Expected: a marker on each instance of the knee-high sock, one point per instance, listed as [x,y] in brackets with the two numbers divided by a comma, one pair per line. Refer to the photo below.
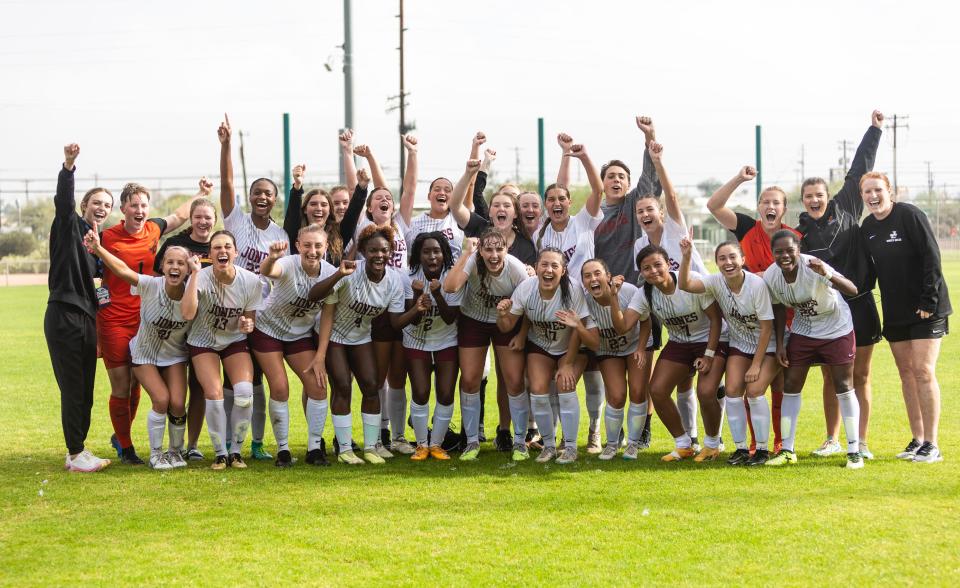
[384,407]
[280,422]
[518,415]
[120,417]
[613,422]
[850,412]
[227,410]
[593,386]
[176,427]
[156,423]
[371,429]
[258,421]
[442,413]
[419,414]
[134,402]
[636,421]
[397,403]
[760,418]
[343,429]
[789,413]
[241,414]
[316,419]
[687,406]
[531,422]
[216,425]
[554,403]
[776,402]
[737,419]
[543,414]
[569,417]
[470,415]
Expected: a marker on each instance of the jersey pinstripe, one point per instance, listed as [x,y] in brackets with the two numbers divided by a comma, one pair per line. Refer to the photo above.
[673,232]
[612,342]
[359,301]
[398,260]
[217,323]
[481,304]
[424,223]
[161,339]
[288,314]
[546,331]
[681,313]
[744,311]
[432,333]
[820,312]
[253,244]
[567,239]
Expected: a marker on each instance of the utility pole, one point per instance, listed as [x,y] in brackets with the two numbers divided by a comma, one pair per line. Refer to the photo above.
[243,161]
[896,124]
[403,100]
[936,208]
[347,80]
[759,162]
[802,162]
[516,164]
[843,160]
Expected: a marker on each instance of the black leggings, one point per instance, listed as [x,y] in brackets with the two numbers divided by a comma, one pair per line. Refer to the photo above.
[362,362]
[72,342]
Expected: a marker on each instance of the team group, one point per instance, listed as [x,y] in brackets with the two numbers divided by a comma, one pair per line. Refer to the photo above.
[353,286]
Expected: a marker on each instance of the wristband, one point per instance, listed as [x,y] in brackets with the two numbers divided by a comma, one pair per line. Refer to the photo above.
[709,353]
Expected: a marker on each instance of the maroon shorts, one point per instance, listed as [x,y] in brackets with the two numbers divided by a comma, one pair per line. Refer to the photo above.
[264,343]
[382,331]
[448,354]
[687,353]
[237,347]
[534,348]
[473,333]
[805,351]
[734,352]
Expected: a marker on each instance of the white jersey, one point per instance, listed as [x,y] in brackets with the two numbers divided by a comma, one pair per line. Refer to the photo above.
[217,323]
[673,232]
[567,239]
[612,342]
[680,312]
[425,223]
[288,314]
[820,311]
[744,311]
[546,331]
[253,244]
[399,259]
[431,333]
[161,339]
[584,253]
[359,301]
[481,304]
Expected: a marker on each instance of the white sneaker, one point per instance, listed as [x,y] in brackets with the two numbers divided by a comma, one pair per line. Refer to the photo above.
[402,446]
[159,461]
[910,451]
[928,453]
[176,459]
[865,452]
[547,454]
[568,455]
[632,450]
[829,447]
[593,443]
[381,451]
[609,452]
[86,462]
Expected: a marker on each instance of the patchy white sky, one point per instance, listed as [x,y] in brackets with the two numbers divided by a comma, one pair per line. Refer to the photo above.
[142,86]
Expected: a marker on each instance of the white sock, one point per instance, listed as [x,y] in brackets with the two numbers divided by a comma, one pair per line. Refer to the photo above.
[280,422]
[371,429]
[569,417]
[241,414]
[156,423]
[683,441]
[760,417]
[343,429]
[470,415]
[595,392]
[176,431]
[636,420]
[384,407]
[789,413]
[543,414]
[397,405]
[531,422]
[227,410]
[419,414]
[518,415]
[850,411]
[316,419]
[216,419]
[613,421]
[712,442]
[687,406]
[442,413]
[258,422]
[554,403]
[737,419]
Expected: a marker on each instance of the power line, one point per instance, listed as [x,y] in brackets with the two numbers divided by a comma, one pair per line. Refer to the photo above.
[896,125]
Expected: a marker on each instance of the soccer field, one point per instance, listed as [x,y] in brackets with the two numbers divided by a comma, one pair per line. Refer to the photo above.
[483,523]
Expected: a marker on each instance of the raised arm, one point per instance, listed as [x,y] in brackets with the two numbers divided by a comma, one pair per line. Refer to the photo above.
[457,276]
[292,220]
[458,209]
[563,173]
[478,140]
[506,320]
[836,280]
[320,290]
[348,224]
[269,267]
[848,198]
[345,139]
[228,197]
[717,204]
[592,203]
[670,195]
[190,300]
[480,185]
[120,269]
[64,202]
[365,152]
[409,190]
[648,183]
[685,281]
[182,213]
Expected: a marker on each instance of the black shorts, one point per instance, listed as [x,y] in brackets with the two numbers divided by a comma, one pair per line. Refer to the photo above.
[931,328]
[866,319]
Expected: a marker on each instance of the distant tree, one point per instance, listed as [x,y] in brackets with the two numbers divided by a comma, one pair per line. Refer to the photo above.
[16,243]
[709,186]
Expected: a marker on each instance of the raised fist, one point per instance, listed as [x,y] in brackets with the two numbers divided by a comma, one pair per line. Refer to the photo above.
[565,141]
[410,143]
[298,171]
[223,132]
[645,124]
[206,186]
[363,178]
[70,153]
[277,249]
[876,119]
[748,173]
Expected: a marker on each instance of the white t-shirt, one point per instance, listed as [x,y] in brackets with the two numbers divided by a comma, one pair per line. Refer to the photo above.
[161,339]
[480,304]
[743,311]
[253,244]
[820,311]
[680,312]
[545,330]
[612,342]
[584,253]
[431,333]
[359,301]
[673,232]
[399,259]
[288,314]
[424,223]
[217,323]
[567,240]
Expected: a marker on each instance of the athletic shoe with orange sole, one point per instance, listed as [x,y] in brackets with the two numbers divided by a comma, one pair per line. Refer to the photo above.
[678,454]
[437,452]
[421,453]
[707,454]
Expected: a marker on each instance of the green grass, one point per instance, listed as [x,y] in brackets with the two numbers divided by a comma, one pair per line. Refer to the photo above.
[468,524]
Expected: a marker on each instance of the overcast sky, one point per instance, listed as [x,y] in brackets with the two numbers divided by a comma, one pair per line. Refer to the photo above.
[142,86]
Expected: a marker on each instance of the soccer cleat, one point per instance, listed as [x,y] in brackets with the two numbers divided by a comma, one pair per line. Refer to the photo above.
[721,447]
[910,451]
[437,452]
[317,457]
[380,450]
[235,461]
[371,455]
[534,440]
[520,452]
[782,458]
[115,443]
[609,452]
[865,452]
[593,443]
[707,454]
[421,453]
[679,454]
[129,456]
[470,452]
[336,446]
[481,435]
[739,457]
[631,450]
[453,441]
[830,447]
[86,462]
[401,446]
[928,453]
[503,441]
[258,452]
[854,461]
[547,454]
[193,454]
[176,458]
[646,436]
[349,458]
[159,461]
[385,436]
[219,463]
[567,456]
[760,457]
[284,460]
